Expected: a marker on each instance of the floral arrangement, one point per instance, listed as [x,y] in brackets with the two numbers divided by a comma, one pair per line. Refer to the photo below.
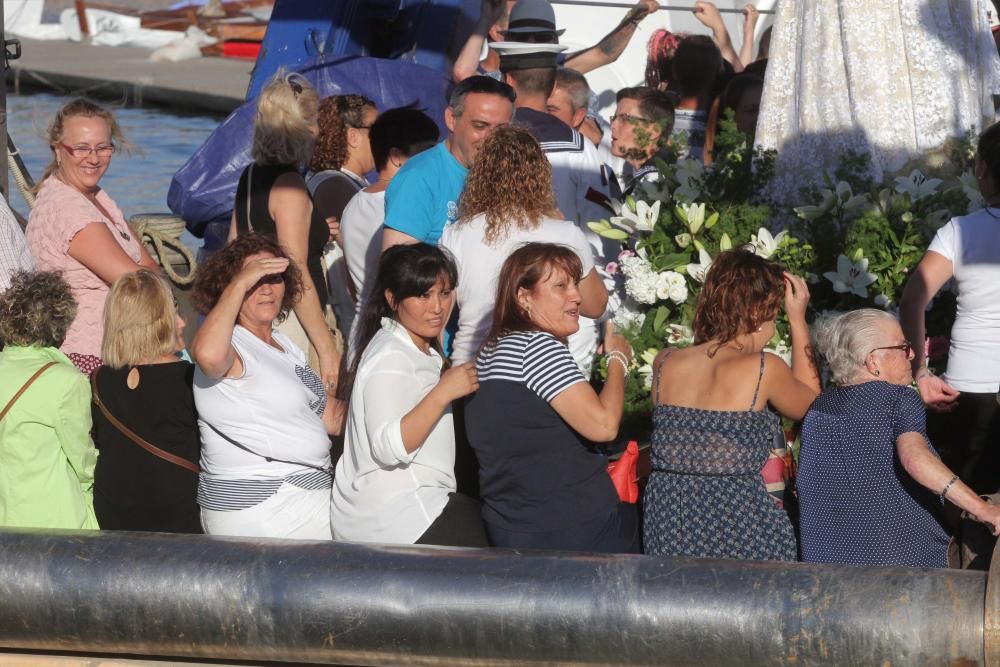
[855,244]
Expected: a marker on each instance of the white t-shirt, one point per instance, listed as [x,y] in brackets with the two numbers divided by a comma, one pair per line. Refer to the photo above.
[274,409]
[972,244]
[381,493]
[361,231]
[479,267]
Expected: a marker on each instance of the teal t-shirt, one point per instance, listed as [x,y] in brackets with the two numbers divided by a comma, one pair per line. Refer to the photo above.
[422,199]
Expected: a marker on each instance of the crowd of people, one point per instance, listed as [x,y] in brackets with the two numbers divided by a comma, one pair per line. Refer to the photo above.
[327,318]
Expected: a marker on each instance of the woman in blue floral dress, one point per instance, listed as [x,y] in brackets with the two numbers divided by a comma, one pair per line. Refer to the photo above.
[712,426]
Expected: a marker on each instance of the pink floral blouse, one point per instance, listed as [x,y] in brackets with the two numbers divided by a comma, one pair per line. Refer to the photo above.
[60,213]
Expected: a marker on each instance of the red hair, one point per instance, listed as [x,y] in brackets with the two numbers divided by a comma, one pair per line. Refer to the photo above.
[741,292]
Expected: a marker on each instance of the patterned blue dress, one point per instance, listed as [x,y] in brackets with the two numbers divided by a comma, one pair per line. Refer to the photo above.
[705,497]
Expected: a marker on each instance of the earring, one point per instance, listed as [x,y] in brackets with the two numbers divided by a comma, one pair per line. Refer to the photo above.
[877,372]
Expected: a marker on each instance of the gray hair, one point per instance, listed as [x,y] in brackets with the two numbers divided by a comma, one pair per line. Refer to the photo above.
[575,85]
[845,340]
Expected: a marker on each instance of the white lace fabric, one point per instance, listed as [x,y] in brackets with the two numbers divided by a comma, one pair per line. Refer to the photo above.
[892,78]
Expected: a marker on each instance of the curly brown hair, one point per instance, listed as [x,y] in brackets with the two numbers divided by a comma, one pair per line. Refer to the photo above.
[510,182]
[741,292]
[36,310]
[336,115]
[215,274]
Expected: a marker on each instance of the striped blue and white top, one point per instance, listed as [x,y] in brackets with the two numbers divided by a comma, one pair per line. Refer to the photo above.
[536,359]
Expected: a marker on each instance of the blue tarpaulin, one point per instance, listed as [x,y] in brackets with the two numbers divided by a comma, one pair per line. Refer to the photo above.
[202,191]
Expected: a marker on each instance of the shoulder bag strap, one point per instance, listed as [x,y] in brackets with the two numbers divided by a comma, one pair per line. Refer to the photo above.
[249,182]
[269,459]
[24,388]
[128,433]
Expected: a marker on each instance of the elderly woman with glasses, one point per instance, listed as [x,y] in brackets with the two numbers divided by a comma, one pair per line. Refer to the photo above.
[76,229]
[871,486]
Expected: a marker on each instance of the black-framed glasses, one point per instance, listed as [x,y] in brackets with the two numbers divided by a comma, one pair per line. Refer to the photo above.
[629,118]
[906,347]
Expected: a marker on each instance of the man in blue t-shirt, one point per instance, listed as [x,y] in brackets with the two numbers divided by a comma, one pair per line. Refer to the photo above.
[423,196]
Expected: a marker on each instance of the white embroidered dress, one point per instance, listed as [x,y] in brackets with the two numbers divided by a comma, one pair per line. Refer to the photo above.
[892,78]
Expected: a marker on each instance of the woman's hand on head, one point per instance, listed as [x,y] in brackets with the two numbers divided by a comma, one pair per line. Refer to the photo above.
[615,342]
[458,381]
[796,297]
[937,394]
[254,270]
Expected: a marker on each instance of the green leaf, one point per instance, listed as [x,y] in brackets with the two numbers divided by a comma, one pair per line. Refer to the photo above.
[661,318]
[599,227]
[616,234]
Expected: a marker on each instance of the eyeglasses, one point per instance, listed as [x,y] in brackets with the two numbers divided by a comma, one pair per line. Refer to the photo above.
[83,151]
[906,347]
[629,118]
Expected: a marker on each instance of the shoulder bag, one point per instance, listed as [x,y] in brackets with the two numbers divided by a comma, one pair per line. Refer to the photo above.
[24,388]
[128,433]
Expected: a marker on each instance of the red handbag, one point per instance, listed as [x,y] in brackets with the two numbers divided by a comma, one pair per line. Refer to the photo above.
[624,474]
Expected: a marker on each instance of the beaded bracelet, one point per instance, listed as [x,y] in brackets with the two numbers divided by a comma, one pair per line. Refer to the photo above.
[947,487]
[620,357]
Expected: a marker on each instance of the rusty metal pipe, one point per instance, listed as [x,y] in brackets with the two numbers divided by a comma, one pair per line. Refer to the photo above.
[272,600]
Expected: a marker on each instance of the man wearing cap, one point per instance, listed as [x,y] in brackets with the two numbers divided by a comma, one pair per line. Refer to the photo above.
[423,197]
[530,69]
[535,21]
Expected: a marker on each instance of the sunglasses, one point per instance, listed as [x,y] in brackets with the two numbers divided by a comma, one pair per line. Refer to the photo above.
[906,347]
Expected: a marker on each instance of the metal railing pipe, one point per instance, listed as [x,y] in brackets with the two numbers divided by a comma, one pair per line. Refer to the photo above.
[341,603]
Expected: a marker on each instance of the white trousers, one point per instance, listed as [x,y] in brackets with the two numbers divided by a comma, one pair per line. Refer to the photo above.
[293,513]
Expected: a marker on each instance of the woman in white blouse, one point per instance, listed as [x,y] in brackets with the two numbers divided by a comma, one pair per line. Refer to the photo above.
[395,482]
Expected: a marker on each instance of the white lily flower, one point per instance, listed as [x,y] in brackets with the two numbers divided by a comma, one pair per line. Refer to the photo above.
[642,219]
[693,215]
[809,212]
[970,186]
[763,244]
[646,369]
[700,270]
[678,334]
[851,277]
[882,301]
[846,198]
[683,240]
[917,185]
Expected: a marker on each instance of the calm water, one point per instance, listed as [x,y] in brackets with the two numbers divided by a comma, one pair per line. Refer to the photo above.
[138,183]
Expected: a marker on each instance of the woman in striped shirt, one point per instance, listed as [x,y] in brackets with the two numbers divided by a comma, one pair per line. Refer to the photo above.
[535,419]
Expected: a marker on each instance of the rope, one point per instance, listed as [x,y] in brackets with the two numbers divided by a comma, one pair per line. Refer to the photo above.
[21,176]
[164,232]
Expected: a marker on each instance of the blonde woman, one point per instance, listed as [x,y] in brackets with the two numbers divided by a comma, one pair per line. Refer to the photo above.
[272,198]
[77,229]
[508,202]
[142,397]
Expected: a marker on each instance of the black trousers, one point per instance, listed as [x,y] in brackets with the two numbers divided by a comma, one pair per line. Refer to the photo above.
[968,439]
[460,524]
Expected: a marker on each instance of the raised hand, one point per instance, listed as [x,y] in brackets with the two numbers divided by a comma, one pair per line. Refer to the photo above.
[257,270]
[796,297]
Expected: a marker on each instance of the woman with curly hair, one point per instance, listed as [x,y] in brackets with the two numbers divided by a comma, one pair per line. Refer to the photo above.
[712,426]
[272,198]
[142,396]
[46,456]
[342,157]
[263,414]
[508,202]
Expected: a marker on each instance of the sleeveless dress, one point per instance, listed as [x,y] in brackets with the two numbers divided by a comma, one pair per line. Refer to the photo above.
[705,497]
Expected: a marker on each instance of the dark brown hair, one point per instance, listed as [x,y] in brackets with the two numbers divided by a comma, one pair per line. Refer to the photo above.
[215,274]
[741,292]
[336,115]
[988,150]
[525,268]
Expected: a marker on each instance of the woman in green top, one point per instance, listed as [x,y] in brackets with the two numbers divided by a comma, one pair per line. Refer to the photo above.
[46,456]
